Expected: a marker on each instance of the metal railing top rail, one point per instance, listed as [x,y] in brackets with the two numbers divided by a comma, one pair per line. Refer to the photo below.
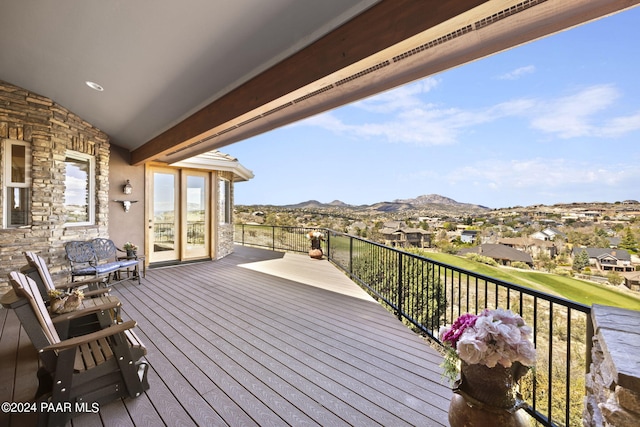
[546,296]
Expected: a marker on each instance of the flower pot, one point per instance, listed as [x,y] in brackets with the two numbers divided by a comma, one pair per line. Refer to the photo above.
[56,305]
[131,253]
[72,303]
[486,396]
[315,253]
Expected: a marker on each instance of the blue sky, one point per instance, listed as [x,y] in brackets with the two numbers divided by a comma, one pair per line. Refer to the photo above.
[553,121]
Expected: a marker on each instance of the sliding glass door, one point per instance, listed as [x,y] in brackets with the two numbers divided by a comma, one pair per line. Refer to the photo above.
[196,223]
[164,215]
[179,215]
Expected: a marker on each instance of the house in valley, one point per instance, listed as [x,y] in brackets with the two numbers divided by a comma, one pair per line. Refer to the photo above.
[469,236]
[405,237]
[534,247]
[548,234]
[503,254]
[607,259]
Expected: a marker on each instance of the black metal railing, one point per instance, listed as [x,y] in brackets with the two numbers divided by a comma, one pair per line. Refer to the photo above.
[164,232]
[426,294]
[196,232]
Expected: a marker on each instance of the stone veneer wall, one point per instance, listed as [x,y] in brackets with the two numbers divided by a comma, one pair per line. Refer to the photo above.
[224,239]
[613,383]
[51,129]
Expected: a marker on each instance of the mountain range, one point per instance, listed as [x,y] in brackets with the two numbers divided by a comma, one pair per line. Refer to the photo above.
[424,202]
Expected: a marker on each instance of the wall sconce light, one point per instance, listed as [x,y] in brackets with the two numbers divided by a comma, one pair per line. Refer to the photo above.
[127,189]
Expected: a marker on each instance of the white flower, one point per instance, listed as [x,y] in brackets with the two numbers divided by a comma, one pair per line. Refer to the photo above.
[496,337]
[471,350]
[526,353]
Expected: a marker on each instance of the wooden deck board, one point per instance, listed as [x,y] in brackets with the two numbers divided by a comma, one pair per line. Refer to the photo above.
[261,338]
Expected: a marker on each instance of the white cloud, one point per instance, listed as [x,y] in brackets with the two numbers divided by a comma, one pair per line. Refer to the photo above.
[543,174]
[400,99]
[575,115]
[517,73]
[75,190]
[619,126]
[407,118]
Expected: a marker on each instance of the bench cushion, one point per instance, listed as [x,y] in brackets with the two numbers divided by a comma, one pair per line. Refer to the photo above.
[106,268]
[128,263]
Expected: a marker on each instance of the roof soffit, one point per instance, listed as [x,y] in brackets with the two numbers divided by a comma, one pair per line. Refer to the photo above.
[457,37]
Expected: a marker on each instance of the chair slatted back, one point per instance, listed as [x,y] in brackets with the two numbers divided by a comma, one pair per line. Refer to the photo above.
[105,249]
[80,253]
[25,287]
[37,262]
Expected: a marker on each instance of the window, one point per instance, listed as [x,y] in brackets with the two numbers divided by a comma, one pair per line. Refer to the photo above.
[224,201]
[17,184]
[79,194]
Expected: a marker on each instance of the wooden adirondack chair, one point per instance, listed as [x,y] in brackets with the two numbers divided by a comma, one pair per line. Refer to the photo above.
[98,367]
[96,286]
[75,325]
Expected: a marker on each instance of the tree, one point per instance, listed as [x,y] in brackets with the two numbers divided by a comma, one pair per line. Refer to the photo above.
[629,241]
[580,260]
[615,278]
[545,262]
[449,226]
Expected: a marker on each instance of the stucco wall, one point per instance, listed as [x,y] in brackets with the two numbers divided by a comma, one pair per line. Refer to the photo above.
[126,226]
[51,130]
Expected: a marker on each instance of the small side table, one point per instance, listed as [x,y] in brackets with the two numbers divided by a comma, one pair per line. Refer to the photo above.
[141,260]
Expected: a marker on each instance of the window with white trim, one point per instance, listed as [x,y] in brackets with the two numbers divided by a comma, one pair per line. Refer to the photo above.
[79,189]
[224,201]
[16,189]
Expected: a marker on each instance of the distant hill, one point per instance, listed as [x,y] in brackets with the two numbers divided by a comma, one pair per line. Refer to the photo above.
[431,202]
[436,199]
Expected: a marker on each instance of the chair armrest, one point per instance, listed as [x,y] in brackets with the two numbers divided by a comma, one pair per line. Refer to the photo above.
[85,311]
[94,336]
[96,292]
[79,283]
[93,293]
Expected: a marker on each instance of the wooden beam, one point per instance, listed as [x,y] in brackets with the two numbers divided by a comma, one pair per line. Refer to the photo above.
[380,27]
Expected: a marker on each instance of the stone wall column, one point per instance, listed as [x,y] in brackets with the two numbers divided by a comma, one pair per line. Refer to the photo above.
[613,381]
[51,130]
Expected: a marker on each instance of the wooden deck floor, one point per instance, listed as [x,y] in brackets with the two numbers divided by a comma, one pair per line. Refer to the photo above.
[258,338]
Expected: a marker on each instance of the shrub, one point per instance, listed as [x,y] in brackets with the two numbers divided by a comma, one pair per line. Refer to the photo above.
[562,272]
[482,259]
[615,278]
[521,265]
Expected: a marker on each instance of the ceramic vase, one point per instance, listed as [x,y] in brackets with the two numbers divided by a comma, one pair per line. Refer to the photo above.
[486,396]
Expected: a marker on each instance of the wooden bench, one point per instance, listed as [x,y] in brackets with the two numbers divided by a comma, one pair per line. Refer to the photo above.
[99,258]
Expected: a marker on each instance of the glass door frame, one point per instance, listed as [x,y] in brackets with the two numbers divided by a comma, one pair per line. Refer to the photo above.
[204,250]
[170,255]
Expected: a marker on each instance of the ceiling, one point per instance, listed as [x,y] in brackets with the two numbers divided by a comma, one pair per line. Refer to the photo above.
[183,78]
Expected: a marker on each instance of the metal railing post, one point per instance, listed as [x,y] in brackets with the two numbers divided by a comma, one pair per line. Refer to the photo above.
[399,292]
[350,255]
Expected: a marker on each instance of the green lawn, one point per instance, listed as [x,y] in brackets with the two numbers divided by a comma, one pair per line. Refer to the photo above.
[567,287]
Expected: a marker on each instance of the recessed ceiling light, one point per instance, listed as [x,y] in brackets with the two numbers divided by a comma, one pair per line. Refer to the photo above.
[95,86]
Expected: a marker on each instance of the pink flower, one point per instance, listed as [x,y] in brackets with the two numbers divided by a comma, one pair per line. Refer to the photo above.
[452,334]
[491,338]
